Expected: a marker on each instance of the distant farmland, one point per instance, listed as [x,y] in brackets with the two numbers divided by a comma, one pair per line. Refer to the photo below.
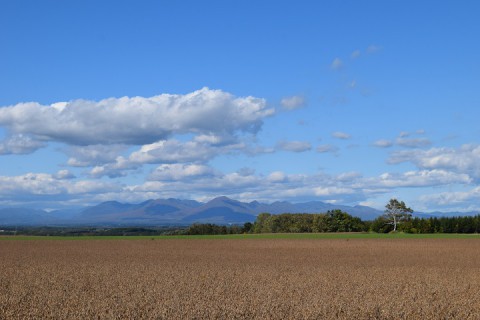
[240,278]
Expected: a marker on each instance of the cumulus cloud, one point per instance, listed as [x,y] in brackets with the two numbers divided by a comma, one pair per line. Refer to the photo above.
[405,140]
[120,168]
[171,151]
[19,144]
[423,178]
[93,155]
[276,176]
[202,181]
[337,64]
[342,188]
[332,191]
[42,184]
[200,150]
[177,172]
[293,102]
[177,180]
[277,185]
[63,175]
[341,135]
[136,120]
[458,200]
[294,146]
[383,143]
[465,159]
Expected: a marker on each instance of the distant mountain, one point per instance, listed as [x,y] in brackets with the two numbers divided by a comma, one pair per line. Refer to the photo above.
[151,212]
[23,216]
[221,210]
[107,208]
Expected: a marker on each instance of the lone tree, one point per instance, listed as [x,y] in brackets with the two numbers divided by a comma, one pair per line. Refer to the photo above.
[396,212]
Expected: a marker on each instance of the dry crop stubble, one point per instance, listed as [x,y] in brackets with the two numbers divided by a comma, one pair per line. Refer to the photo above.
[240,279]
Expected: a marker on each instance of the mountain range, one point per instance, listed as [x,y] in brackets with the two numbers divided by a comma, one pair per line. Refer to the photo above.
[221,210]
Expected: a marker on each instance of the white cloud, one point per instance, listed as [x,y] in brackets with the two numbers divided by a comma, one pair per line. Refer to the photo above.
[45,185]
[348,176]
[413,142]
[201,181]
[171,151]
[355,54]
[457,201]
[337,64]
[136,120]
[275,186]
[325,148]
[405,140]
[276,176]
[465,159]
[383,143]
[293,102]
[215,140]
[423,178]
[63,175]
[177,172]
[19,144]
[294,146]
[93,155]
[332,191]
[119,168]
[195,181]
[341,135]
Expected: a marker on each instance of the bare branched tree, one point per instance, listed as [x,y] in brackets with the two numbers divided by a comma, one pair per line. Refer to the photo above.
[397,212]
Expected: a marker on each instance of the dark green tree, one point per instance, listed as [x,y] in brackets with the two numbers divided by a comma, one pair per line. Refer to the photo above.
[263,223]
[247,227]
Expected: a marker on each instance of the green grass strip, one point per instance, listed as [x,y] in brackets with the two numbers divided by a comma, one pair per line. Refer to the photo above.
[259,236]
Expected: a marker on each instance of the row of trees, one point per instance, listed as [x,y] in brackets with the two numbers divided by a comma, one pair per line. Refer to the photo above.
[397,214]
[397,217]
[332,221]
[338,221]
[209,228]
[469,224]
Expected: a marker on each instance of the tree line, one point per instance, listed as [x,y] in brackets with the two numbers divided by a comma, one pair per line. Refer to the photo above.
[212,229]
[467,224]
[332,221]
[339,221]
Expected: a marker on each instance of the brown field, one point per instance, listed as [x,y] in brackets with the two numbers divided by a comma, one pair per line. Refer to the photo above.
[240,279]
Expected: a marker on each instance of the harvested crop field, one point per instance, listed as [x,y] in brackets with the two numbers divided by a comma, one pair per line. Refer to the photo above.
[240,279]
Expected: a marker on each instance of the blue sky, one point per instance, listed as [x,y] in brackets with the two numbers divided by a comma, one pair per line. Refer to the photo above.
[348,102]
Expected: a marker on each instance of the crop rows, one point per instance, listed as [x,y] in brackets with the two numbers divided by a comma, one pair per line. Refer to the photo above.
[240,279]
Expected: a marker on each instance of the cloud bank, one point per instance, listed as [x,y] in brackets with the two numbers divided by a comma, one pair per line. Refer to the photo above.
[136,120]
